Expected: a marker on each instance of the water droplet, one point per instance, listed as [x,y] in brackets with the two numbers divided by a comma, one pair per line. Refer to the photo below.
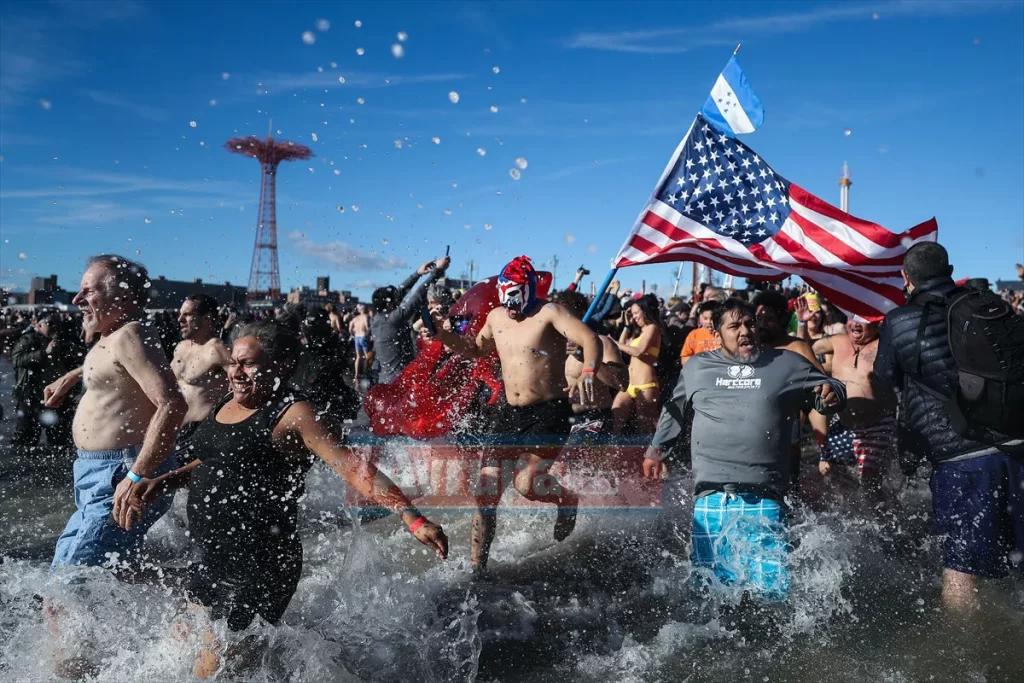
[360,51]
[337,172]
[847,132]
[494,109]
[213,103]
[521,163]
[150,220]
[341,79]
[398,144]
[487,226]
[192,124]
[383,240]
[481,151]
[361,101]
[358,24]
[874,16]
[436,140]
[522,100]
[397,51]
[419,206]
[45,104]
[315,138]
[355,207]
[341,209]
[495,69]
[514,172]
[467,226]
[455,184]
[323,25]
[447,212]
[402,36]
[22,256]
[225,75]
[308,37]
[453,97]
[569,239]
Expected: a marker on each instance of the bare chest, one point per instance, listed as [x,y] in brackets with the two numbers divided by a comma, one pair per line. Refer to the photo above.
[101,369]
[526,341]
[851,362]
[190,364]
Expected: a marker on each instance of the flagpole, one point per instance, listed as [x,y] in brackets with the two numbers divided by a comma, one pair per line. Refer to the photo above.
[639,219]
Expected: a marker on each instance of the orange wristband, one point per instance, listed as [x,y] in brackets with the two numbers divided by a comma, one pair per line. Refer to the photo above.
[420,521]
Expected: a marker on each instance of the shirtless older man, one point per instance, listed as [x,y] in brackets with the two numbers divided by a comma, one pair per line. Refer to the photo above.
[200,364]
[126,422]
[530,336]
[864,434]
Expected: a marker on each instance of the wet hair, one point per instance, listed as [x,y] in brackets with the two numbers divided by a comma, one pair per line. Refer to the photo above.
[330,308]
[649,307]
[925,261]
[277,340]
[120,271]
[440,294]
[706,306]
[575,302]
[774,301]
[385,298]
[742,308]
[204,303]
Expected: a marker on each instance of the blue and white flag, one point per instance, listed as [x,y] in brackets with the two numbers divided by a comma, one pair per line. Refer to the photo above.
[733,107]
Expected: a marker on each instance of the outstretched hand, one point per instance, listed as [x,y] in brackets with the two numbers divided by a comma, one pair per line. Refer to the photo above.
[432,536]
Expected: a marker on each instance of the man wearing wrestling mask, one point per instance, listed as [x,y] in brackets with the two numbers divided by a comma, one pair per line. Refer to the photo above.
[530,337]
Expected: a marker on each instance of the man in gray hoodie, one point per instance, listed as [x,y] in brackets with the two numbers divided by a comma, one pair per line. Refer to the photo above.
[744,398]
[397,308]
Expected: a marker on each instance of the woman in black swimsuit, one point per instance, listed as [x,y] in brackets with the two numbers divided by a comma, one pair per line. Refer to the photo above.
[252,455]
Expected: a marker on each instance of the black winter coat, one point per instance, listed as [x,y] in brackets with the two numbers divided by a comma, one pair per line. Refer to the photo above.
[924,428]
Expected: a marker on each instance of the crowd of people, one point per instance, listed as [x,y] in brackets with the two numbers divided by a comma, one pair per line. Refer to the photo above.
[236,404]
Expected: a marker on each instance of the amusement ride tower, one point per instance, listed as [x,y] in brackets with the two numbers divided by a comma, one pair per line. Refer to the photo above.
[264,274]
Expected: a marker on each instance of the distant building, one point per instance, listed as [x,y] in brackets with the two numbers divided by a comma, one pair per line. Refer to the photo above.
[164,293]
[455,283]
[44,290]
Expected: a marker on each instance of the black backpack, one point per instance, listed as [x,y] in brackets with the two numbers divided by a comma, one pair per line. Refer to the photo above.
[986,339]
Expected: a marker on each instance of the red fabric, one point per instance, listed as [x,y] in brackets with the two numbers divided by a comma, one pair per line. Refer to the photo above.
[437,389]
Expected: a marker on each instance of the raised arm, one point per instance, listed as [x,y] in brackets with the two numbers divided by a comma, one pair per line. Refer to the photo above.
[323,438]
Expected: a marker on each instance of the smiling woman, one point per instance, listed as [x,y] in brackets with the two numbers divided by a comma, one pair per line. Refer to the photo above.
[253,453]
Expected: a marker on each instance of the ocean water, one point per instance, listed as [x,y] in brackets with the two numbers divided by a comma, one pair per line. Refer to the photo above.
[616,602]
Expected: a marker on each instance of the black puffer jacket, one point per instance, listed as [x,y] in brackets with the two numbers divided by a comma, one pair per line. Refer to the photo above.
[924,428]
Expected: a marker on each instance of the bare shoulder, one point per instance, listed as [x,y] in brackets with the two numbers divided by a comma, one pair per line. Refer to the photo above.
[800,347]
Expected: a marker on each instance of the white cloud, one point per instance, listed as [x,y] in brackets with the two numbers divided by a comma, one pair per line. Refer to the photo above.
[364,284]
[671,40]
[353,79]
[80,182]
[142,110]
[342,254]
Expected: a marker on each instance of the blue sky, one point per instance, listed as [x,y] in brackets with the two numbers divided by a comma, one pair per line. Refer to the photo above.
[99,154]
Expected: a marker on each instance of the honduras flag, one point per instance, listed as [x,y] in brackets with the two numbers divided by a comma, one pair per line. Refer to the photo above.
[733,107]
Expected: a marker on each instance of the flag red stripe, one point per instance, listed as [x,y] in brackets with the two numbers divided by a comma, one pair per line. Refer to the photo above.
[675,233]
[642,244]
[874,232]
[707,261]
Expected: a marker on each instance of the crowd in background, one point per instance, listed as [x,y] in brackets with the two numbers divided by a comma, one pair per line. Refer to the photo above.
[45,343]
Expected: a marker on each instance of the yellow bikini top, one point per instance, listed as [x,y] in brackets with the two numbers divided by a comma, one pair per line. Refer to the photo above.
[635,342]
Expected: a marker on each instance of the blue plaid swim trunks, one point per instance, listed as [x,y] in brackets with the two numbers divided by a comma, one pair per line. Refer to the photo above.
[742,539]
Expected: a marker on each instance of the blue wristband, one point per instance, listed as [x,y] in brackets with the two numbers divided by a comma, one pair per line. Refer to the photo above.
[134,477]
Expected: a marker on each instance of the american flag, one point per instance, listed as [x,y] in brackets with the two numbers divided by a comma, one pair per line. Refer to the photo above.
[720,204]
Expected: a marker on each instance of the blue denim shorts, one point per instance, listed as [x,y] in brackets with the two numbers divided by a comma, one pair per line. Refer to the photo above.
[741,537]
[91,537]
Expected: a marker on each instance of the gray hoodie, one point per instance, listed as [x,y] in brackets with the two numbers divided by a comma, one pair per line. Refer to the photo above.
[392,332]
[743,416]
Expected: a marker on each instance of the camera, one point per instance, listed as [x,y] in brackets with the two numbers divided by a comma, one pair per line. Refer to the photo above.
[582,271]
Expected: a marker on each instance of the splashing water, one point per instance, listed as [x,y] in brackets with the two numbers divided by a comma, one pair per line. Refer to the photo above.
[521,163]
[514,172]
[453,97]
[308,37]
[397,51]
